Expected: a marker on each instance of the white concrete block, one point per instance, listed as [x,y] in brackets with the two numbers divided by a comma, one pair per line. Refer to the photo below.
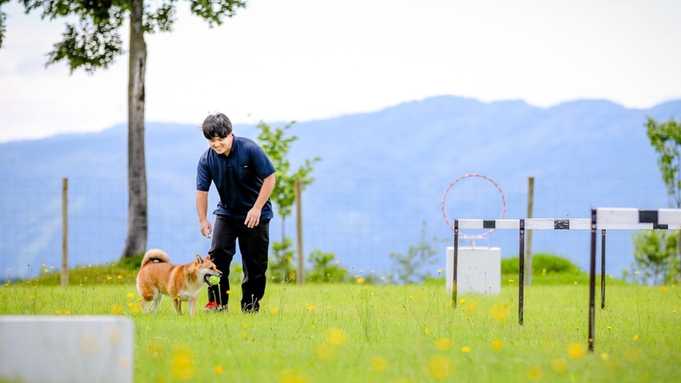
[478,271]
[55,349]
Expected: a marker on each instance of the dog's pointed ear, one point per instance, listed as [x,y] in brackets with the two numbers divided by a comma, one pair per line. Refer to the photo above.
[198,259]
[208,257]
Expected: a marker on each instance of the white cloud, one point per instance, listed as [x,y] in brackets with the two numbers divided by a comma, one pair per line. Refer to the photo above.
[308,59]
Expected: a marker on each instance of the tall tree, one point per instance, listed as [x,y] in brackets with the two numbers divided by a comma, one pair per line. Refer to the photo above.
[654,252]
[3,18]
[666,139]
[277,148]
[95,41]
[653,249]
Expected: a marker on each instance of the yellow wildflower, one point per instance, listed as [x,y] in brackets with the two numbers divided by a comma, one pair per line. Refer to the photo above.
[336,336]
[576,351]
[535,372]
[559,365]
[439,367]
[379,364]
[182,364]
[443,344]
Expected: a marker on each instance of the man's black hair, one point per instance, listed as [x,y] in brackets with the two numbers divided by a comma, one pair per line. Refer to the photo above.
[216,125]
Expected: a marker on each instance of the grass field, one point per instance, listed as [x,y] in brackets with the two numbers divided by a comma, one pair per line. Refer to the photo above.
[355,332]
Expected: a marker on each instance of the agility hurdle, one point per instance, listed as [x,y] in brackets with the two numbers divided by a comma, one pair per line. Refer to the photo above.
[521,225]
[601,219]
[623,219]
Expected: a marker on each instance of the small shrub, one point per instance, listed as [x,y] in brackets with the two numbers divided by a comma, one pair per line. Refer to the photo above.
[131,263]
[324,269]
[541,264]
[89,275]
[553,264]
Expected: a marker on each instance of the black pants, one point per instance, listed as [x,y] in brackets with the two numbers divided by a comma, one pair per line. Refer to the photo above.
[253,245]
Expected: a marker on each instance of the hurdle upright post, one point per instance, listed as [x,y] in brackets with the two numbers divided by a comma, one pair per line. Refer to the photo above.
[521,271]
[455,261]
[603,269]
[592,281]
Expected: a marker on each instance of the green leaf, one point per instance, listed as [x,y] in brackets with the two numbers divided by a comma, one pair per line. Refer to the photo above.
[665,138]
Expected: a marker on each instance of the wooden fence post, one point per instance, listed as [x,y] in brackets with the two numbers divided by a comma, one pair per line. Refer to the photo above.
[300,278]
[528,244]
[65,231]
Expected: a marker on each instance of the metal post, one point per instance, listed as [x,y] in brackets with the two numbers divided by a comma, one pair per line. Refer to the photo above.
[603,269]
[592,282]
[455,262]
[521,272]
[65,232]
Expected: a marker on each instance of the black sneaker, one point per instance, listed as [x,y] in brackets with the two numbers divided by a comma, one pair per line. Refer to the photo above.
[249,308]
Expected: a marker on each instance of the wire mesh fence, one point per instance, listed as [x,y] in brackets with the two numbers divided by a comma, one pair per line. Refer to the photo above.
[360,220]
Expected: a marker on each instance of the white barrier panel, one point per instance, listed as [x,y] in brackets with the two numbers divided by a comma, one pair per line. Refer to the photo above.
[618,216]
[478,270]
[52,349]
[671,217]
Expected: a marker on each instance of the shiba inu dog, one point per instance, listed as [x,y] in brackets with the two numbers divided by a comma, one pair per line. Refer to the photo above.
[158,277]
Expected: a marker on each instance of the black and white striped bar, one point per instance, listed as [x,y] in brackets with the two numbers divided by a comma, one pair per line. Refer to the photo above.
[607,219]
[530,224]
[626,219]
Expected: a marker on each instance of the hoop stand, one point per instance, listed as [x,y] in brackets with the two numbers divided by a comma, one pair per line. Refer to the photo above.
[455,229]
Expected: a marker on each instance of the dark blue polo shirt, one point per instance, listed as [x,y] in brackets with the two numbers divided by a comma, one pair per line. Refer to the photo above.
[237,177]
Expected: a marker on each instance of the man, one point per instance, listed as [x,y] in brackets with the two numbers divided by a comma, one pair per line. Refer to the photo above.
[244,179]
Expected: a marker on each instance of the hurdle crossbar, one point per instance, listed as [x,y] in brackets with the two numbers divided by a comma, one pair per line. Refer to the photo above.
[613,219]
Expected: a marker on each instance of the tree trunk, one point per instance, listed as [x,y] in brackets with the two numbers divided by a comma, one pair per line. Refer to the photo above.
[136,240]
[284,261]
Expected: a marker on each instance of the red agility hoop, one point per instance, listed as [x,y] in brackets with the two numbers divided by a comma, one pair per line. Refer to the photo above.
[444,198]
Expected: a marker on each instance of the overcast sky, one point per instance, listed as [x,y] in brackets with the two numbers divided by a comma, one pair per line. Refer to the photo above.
[314,59]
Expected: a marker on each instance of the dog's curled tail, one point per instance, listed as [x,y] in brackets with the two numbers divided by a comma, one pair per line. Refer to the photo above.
[155,255]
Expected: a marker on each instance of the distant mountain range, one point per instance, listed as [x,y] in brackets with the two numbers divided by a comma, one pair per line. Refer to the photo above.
[381,176]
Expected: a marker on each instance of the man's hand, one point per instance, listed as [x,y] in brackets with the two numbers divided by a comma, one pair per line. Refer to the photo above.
[252,218]
[206,228]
